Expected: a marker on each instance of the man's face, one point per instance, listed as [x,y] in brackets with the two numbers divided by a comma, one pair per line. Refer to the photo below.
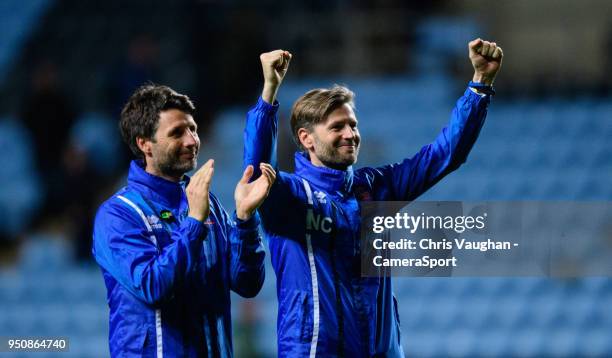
[174,150]
[336,141]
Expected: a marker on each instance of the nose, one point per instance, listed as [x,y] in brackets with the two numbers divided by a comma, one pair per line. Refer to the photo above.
[349,132]
[191,139]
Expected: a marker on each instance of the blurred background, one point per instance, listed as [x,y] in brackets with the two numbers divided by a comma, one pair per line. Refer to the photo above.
[67,67]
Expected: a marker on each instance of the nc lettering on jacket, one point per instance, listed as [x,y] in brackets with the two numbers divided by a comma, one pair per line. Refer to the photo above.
[318,222]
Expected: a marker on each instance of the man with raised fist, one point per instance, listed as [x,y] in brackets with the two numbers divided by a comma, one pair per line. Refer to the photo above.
[169,252]
[312,217]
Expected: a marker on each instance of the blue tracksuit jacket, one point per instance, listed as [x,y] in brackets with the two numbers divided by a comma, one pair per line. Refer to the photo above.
[169,280]
[312,219]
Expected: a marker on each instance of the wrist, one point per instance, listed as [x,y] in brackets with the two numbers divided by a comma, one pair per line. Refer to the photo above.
[197,216]
[269,92]
[251,223]
[243,215]
[481,88]
[483,78]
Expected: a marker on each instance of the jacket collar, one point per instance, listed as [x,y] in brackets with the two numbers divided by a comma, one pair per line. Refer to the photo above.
[166,192]
[330,180]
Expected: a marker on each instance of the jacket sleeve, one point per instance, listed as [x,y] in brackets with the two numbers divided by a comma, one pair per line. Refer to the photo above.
[260,138]
[124,247]
[412,177]
[246,256]
[260,135]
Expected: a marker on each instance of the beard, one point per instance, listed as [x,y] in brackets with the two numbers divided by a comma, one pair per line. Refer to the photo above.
[336,157]
[174,165]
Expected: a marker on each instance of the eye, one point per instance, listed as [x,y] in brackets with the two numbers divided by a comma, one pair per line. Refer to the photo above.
[174,132]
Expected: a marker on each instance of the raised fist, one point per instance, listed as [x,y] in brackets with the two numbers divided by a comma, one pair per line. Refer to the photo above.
[486,59]
[275,65]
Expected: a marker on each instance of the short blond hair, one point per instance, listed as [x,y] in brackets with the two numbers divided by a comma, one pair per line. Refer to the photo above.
[314,107]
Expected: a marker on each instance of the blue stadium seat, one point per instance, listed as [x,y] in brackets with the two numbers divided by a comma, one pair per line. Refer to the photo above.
[20,185]
[97,135]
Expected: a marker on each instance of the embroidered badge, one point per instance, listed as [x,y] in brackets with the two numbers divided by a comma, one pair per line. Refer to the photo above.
[154,222]
[321,197]
[166,215]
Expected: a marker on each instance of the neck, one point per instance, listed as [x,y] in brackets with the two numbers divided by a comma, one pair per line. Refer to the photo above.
[155,171]
[318,163]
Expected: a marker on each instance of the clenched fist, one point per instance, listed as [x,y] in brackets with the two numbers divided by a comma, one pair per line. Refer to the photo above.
[275,65]
[198,190]
[249,196]
[486,59]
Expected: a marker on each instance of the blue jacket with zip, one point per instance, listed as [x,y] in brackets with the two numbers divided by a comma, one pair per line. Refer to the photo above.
[168,276]
[311,220]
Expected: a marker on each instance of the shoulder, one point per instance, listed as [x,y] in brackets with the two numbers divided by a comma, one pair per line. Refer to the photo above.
[285,181]
[119,210]
[287,190]
[286,178]
[367,175]
[293,184]
[376,183]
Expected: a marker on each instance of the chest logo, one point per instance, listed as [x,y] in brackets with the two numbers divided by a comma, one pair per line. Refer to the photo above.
[154,222]
[362,194]
[166,215]
[321,197]
[318,222]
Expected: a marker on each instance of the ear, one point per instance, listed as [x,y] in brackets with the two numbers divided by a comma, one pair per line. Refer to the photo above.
[144,145]
[306,139]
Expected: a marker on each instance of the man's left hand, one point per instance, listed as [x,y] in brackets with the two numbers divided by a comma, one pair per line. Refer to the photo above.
[249,196]
[486,59]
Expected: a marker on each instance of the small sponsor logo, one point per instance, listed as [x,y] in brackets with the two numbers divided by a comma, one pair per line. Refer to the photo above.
[321,197]
[363,194]
[154,222]
[166,215]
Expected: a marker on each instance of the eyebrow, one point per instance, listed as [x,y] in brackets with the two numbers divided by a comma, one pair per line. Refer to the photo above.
[182,125]
[342,120]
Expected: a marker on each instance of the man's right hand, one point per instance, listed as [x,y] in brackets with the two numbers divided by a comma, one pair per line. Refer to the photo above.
[275,65]
[198,190]
[486,59]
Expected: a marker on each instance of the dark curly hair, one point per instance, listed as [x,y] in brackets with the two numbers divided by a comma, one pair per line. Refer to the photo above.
[140,115]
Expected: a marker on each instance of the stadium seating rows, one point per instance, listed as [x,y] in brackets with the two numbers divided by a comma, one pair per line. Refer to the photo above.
[17,20]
